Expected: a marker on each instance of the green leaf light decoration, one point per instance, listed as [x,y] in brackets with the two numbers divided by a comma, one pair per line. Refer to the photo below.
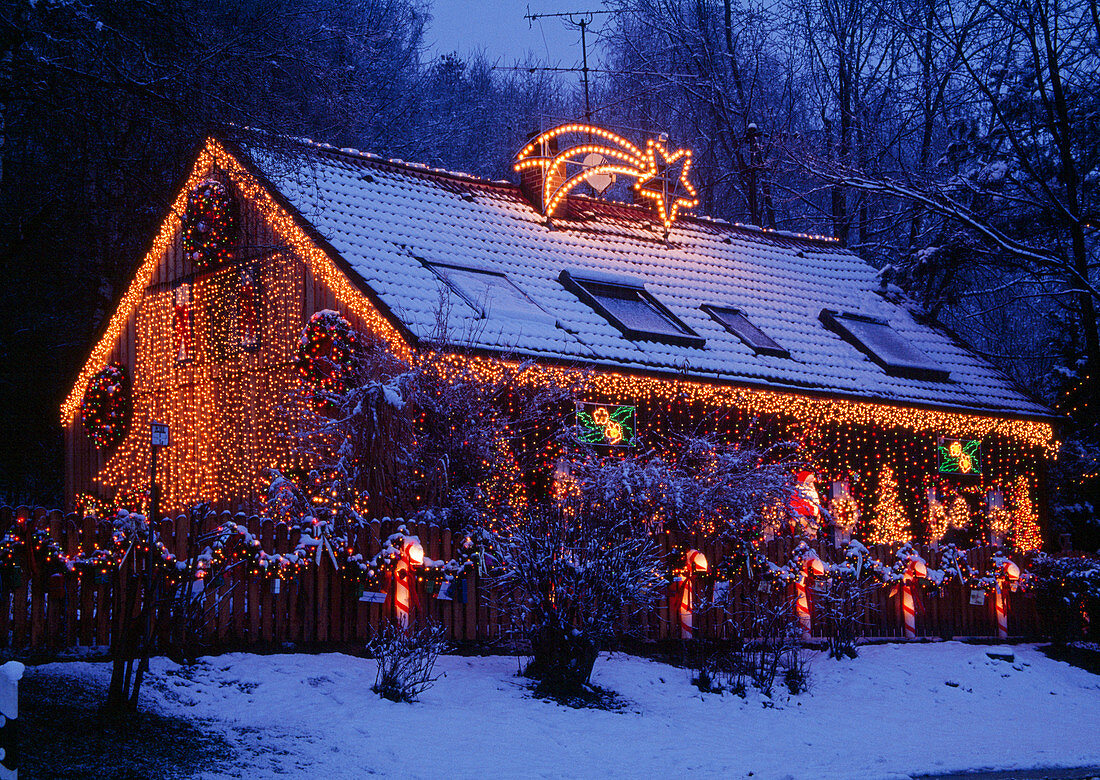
[960,456]
[611,425]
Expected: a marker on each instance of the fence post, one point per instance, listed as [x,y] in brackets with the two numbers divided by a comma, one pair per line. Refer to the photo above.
[10,673]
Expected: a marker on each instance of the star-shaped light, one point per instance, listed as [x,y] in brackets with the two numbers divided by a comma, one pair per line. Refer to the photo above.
[666,182]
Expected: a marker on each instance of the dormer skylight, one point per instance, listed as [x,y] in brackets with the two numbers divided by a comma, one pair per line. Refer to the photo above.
[627,305]
[735,321]
[885,346]
[489,293]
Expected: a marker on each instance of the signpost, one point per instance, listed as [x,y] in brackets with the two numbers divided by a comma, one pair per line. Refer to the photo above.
[158,438]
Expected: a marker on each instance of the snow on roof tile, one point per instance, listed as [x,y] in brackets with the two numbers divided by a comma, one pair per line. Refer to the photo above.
[388,218]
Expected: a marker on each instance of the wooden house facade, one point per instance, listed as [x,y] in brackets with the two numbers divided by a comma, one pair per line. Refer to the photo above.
[681,318]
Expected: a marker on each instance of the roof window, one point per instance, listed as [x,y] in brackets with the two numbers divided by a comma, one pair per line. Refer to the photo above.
[878,341]
[628,306]
[489,293]
[735,321]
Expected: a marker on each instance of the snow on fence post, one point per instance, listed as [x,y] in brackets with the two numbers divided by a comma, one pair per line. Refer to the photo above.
[10,674]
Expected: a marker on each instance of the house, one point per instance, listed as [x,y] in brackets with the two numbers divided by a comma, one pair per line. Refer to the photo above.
[671,313]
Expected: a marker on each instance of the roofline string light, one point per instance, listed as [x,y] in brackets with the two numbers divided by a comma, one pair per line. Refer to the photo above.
[640,387]
[648,171]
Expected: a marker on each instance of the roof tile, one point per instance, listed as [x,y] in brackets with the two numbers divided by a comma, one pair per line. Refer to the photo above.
[384,217]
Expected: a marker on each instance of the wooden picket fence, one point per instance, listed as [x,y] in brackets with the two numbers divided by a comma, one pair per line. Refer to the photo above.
[319,608]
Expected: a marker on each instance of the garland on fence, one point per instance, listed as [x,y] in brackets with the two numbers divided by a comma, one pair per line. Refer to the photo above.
[24,548]
[857,564]
[233,545]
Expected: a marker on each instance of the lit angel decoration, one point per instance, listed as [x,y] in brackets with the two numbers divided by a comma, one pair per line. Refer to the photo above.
[660,175]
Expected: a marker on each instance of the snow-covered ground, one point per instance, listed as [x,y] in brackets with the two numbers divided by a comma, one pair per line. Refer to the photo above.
[896,711]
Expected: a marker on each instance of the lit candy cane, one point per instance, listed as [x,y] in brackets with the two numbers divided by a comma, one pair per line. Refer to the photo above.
[412,554]
[811,564]
[1011,572]
[696,561]
[916,568]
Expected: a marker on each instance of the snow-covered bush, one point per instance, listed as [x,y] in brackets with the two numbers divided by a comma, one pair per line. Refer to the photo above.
[406,660]
[765,644]
[713,490]
[569,577]
[841,601]
[398,437]
[1067,592]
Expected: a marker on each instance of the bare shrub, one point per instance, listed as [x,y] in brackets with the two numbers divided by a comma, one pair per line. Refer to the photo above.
[766,645]
[841,604]
[406,660]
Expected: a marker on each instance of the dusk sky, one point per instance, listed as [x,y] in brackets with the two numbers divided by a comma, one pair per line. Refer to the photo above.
[497,28]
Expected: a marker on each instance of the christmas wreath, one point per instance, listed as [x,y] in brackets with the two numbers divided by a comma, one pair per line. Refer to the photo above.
[327,352]
[105,410]
[210,224]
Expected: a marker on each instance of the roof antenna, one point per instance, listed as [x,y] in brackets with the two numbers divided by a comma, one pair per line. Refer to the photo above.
[580,20]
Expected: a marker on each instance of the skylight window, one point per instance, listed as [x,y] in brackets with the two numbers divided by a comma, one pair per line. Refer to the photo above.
[630,308]
[739,325]
[876,339]
[489,293]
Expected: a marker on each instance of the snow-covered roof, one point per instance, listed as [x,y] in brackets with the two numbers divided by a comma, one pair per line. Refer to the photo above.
[416,236]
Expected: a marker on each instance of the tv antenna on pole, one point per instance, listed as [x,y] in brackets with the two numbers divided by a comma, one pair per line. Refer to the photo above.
[580,20]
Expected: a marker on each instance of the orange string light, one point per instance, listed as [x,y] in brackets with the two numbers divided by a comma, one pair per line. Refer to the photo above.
[227,410]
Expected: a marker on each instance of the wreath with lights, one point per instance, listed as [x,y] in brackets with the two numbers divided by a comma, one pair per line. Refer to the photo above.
[327,352]
[106,408]
[209,225]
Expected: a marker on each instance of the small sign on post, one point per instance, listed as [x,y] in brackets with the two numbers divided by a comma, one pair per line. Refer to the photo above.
[159,434]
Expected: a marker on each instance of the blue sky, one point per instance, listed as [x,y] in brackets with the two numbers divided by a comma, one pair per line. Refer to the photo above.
[497,28]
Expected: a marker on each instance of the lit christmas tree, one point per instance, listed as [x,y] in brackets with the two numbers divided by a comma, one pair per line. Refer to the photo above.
[888,521]
[1025,531]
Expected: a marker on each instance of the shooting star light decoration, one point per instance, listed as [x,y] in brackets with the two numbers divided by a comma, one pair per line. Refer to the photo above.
[659,175]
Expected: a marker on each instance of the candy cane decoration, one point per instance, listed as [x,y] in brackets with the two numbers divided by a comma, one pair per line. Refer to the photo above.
[412,554]
[696,561]
[916,568]
[1011,572]
[811,565]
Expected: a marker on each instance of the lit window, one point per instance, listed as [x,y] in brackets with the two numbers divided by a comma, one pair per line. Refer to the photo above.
[878,341]
[631,309]
[738,324]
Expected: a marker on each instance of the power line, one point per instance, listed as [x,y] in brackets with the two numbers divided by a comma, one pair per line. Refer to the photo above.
[533,68]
